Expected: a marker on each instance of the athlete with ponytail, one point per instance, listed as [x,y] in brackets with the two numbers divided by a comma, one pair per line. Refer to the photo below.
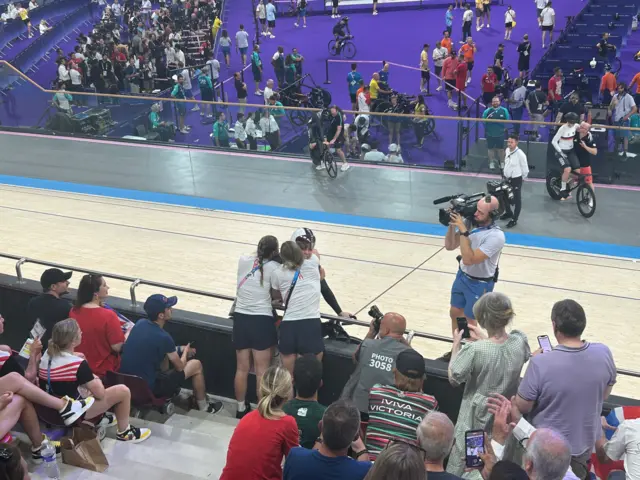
[265,436]
[254,329]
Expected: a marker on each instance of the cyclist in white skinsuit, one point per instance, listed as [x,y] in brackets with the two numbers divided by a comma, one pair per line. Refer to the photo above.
[563,143]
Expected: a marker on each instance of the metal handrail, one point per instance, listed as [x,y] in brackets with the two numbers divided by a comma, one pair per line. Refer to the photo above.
[20,261]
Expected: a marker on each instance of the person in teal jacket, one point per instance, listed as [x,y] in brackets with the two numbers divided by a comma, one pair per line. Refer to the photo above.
[166,130]
[221,132]
[494,131]
[181,108]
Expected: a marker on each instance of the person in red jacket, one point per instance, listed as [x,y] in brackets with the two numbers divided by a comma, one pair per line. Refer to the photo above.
[555,86]
[461,79]
[102,334]
[264,436]
[489,81]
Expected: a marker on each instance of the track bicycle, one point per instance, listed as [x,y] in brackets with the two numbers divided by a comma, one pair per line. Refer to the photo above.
[344,47]
[585,196]
[329,160]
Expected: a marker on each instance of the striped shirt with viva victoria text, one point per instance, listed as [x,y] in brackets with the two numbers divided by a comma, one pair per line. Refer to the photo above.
[395,415]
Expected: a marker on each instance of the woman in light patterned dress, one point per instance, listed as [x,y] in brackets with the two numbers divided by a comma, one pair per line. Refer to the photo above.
[492,364]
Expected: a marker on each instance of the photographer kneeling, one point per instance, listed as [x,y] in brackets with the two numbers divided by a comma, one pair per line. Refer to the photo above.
[376,360]
[480,249]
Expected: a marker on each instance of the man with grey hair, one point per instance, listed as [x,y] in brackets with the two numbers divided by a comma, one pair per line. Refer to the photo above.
[435,437]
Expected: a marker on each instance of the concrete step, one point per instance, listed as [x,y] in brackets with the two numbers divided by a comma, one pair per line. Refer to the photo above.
[186,448]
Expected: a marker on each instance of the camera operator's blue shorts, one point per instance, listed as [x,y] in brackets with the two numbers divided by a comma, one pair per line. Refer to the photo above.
[465,292]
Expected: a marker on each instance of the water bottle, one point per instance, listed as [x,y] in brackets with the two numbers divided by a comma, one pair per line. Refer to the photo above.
[49,456]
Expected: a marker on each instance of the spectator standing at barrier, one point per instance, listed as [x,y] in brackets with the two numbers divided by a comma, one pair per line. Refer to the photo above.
[375,360]
[206,93]
[425,74]
[435,437]
[353,83]
[239,132]
[330,461]
[449,66]
[488,81]
[516,169]
[49,307]
[608,85]
[254,330]
[494,132]
[221,131]
[256,68]
[270,11]
[395,411]
[572,408]
[151,354]
[524,56]
[480,250]
[467,19]
[492,364]
[516,103]
[242,43]
[621,108]
[547,21]
[305,408]
[574,106]
[479,15]
[268,91]
[181,109]
[439,55]
[264,436]
[468,51]
[250,128]
[270,129]
[536,104]
[102,335]
[448,19]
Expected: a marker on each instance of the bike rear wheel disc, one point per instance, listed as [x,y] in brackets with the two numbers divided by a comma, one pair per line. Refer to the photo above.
[554,185]
[586,200]
[349,50]
[332,48]
[330,164]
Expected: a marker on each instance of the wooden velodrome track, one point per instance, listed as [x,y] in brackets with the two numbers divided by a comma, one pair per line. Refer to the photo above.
[407,273]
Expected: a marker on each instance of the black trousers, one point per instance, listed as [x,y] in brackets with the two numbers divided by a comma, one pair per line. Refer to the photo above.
[516,184]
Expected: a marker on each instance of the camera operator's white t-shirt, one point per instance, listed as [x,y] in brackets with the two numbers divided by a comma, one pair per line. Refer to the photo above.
[253,298]
[490,242]
[304,303]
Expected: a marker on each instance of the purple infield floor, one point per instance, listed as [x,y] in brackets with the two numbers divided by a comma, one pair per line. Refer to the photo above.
[394,35]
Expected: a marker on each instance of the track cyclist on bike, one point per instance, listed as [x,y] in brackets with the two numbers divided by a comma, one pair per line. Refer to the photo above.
[563,143]
[341,32]
[316,138]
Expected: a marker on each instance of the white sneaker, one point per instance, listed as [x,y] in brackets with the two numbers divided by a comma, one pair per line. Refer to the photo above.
[375,13]
[296,25]
[184,131]
[492,166]
[345,167]
[320,167]
[438,89]
[195,109]
[272,35]
[488,26]
[202,114]
[304,26]
[264,34]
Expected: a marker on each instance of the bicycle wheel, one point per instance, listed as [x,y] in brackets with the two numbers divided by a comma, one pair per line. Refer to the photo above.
[586,200]
[332,48]
[330,164]
[349,50]
[554,181]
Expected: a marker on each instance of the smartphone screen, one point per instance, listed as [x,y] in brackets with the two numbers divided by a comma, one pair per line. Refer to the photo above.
[463,326]
[545,343]
[474,446]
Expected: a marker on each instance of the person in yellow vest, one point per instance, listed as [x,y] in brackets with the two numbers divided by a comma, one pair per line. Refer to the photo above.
[215,27]
[24,16]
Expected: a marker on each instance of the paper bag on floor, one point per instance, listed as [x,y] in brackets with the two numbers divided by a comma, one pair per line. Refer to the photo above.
[83,450]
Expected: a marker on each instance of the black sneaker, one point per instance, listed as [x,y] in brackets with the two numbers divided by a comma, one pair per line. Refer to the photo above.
[74,409]
[214,406]
[512,223]
[247,409]
[506,216]
[134,435]
[36,453]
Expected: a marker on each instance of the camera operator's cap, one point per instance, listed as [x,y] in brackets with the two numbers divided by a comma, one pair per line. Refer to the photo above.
[53,275]
[157,304]
[411,364]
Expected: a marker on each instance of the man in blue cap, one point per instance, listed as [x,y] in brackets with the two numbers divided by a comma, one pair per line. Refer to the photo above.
[151,353]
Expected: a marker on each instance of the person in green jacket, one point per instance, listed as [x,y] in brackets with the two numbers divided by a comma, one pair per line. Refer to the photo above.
[494,131]
[221,132]
[166,130]
[181,109]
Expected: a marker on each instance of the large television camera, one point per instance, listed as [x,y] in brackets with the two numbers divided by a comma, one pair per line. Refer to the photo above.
[466,205]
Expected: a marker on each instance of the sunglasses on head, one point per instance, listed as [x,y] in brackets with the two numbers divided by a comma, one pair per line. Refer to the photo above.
[413,445]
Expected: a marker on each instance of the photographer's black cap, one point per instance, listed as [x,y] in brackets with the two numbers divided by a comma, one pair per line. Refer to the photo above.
[52,276]
[411,364]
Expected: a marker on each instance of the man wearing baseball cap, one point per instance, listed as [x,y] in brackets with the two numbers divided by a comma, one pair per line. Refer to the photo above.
[395,411]
[49,307]
[151,354]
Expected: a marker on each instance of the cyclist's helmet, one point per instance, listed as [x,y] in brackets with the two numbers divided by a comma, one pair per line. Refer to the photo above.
[571,117]
[344,20]
[304,237]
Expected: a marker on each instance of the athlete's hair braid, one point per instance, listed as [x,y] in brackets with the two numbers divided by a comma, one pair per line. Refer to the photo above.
[267,248]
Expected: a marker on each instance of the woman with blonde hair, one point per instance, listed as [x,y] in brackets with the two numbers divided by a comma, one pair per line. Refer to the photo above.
[491,364]
[399,461]
[64,373]
[265,436]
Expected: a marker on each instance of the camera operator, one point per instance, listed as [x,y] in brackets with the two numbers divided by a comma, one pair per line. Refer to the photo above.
[375,359]
[480,250]
[515,171]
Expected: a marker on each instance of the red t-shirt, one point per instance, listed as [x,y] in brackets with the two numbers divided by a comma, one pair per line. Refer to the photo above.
[257,447]
[461,76]
[489,81]
[555,88]
[100,329]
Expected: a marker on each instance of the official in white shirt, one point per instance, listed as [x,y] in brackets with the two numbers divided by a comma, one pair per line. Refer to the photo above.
[625,444]
[515,171]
